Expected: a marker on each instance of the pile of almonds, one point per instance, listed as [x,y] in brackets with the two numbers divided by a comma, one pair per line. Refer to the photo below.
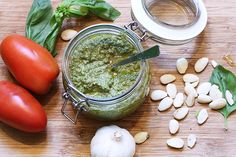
[203,93]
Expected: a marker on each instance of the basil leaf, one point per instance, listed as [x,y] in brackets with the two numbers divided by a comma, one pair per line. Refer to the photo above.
[226,80]
[38,26]
[43,26]
[104,10]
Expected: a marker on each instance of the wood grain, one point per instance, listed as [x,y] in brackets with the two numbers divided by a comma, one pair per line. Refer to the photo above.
[63,139]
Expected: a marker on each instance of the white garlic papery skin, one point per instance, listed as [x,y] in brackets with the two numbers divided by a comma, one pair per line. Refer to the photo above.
[112,141]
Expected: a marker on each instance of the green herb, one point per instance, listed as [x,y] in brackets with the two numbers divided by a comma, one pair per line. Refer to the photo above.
[226,80]
[43,26]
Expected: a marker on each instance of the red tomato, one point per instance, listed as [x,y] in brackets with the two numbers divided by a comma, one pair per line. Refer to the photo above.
[19,109]
[30,63]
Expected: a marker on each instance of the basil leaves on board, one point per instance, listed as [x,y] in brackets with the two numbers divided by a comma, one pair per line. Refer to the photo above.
[226,80]
[43,25]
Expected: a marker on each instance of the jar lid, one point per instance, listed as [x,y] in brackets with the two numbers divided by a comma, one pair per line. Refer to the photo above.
[171,22]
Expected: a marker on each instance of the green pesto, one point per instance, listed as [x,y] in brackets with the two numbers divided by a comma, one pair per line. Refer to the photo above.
[90,66]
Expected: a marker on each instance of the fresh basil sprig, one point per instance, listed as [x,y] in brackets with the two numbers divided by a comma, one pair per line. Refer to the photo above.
[43,26]
[226,80]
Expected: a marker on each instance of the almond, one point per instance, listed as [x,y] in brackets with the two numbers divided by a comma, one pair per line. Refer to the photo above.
[68,34]
[194,84]
[158,95]
[214,63]
[204,99]
[167,78]
[179,100]
[202,116]
[171,90]
[218,104]
[215,93]
[165,104]
[181,113]
[190,78]
[182,65]
[190,90]
[190,100]
[201,64]
[175,143]
[229,97]
[173,126]
[191,140]
[204,88]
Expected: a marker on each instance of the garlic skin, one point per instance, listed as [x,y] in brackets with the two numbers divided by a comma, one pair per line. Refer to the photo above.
[112,141]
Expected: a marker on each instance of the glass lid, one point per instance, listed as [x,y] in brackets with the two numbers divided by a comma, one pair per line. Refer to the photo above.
[171,22]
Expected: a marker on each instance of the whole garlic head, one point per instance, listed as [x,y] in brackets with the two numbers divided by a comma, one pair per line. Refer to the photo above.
[112,141]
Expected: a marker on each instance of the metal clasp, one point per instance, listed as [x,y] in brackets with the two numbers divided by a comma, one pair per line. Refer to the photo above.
[133,26]
[80,105]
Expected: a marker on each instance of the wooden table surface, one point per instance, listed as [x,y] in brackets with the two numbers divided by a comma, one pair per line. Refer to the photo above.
[63,139]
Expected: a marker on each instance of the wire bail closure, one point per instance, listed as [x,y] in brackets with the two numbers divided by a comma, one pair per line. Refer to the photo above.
[79,104]
[133,26]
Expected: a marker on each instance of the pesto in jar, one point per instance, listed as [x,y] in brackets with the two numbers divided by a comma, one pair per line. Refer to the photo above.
[90,66]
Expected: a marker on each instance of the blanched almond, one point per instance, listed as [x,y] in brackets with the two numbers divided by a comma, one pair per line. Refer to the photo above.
[181,113]
[68,34]
[179,100]
[215,93]
[167,78]
[141,137]
[192,139]
[202,116]
[218,104]
[173,126]
[194,84]
[165,104]
[214,63]
[175,143]
[182,65]
[204,99]
[204,88]
[171,90]
[190,78]
[158,95]
[229,97]
[190,90]
[201,64]
[190,100]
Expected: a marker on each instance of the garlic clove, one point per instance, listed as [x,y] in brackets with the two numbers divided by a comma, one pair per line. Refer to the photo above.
[141,137]
[68,34]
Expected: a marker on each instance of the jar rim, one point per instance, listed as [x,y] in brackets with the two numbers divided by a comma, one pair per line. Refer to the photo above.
[168,34]
[82,34]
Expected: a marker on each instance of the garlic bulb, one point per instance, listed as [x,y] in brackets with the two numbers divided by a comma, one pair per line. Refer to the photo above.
[112,141]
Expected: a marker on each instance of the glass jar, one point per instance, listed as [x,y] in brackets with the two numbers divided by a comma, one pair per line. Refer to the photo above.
[149,23]
[106,108]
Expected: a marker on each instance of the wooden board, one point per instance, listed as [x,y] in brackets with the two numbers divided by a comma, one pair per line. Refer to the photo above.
[65,139]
